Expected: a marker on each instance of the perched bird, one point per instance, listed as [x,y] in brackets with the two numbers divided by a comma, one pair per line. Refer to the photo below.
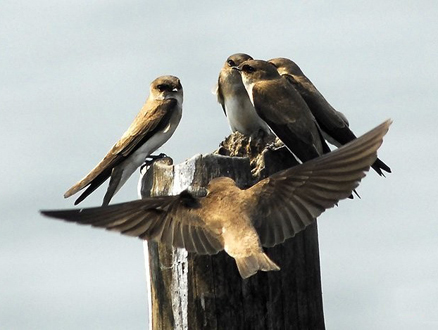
[282,108]
[232,95]
[152,127]
[334,124]
[241,221]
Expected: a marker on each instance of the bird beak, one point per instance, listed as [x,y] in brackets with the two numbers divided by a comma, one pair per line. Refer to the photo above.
[236,68]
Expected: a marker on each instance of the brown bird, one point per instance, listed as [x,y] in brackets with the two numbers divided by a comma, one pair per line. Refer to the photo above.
[232,95]
[242,221]
[282,108]
[153,126]
[334,124]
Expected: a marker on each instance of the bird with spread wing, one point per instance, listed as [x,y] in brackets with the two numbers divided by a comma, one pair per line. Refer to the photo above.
[242,221]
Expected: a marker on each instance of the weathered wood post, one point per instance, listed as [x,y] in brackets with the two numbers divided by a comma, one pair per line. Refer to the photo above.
[189,291]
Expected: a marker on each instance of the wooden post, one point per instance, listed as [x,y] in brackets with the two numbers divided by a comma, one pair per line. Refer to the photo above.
[190,291]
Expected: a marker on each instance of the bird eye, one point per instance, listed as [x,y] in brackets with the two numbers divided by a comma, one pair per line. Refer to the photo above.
[231,63]
[162,87]
[248,68]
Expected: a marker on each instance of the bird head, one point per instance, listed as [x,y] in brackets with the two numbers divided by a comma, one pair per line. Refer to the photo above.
[256,70]
[286,66]
[166,87]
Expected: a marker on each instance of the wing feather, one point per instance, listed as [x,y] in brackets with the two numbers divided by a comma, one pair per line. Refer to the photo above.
[292,199]
[289,118]
[172,220]
[146,123]
[331,121]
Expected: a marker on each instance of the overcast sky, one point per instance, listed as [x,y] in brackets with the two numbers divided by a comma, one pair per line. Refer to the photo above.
[75,73]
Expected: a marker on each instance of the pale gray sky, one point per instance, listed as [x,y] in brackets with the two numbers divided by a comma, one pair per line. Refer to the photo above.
[75,73]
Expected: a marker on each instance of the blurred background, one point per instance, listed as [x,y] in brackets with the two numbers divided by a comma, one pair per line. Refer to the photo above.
[74,74]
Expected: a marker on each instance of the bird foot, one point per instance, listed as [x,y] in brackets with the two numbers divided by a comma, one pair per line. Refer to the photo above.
[149,160]
[155,157]
[271,146]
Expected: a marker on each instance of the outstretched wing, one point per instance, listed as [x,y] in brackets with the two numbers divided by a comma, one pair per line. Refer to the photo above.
[173,220]
[288,201]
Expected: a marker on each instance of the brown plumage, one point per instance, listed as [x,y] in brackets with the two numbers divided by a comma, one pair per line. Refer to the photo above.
[333,123]
[234,99]
[282,108]
[153,126]
[242,221]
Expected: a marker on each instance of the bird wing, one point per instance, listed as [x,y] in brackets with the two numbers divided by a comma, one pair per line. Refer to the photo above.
[147,123]
[220,95]
[331,121]
[288,201]
[173,220]
[289,118]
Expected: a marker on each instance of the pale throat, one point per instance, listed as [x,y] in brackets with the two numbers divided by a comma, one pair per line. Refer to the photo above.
[249,86]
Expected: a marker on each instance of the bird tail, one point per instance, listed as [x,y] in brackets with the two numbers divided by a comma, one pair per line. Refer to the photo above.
[249,265]
[378,166]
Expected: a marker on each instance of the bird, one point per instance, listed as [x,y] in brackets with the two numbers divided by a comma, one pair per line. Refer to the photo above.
[152,127]
[241,221]
[334,125]
[282,108]
[232,96]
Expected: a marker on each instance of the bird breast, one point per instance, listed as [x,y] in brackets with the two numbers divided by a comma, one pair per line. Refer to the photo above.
[242,116]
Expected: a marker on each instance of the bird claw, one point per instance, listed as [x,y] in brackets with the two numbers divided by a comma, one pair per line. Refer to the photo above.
[155,157]
[272,146]
[149,160]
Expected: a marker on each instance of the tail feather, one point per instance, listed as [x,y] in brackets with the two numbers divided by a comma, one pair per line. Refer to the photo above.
[250,265]
[378,166]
